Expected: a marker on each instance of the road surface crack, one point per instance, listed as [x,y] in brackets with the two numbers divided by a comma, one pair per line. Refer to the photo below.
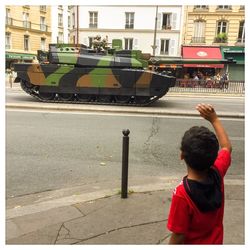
[120,228]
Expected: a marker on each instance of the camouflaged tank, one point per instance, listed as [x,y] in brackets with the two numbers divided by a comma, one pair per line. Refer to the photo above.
[76,74]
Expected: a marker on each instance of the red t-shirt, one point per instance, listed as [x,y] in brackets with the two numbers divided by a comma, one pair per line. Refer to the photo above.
[185,218]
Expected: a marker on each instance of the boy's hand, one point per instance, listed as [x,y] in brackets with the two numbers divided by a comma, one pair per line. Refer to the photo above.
[207,111]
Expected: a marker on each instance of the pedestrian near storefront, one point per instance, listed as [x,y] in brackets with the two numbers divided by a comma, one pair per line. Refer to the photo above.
[197,207]
[225,79]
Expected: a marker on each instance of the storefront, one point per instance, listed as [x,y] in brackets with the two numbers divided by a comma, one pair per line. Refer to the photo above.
[236,71]
[11,57]
[204,53]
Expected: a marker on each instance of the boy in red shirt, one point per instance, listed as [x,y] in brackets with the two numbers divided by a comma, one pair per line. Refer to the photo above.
[197,208]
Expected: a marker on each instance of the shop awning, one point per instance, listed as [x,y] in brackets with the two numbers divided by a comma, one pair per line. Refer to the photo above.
[202,53]
[235,52]
[19,56]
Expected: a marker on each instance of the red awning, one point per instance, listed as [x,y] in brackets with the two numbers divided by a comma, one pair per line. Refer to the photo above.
[202,53]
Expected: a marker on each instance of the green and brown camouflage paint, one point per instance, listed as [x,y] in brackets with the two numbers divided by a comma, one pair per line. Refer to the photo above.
[78,70]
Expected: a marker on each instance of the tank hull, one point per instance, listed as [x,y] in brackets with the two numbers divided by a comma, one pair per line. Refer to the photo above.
[77,74]
[95,82]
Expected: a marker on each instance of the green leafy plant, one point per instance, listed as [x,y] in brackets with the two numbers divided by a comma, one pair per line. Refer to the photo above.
[221,38]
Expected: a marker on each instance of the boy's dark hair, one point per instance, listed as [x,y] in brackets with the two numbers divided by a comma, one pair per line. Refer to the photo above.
[199,147]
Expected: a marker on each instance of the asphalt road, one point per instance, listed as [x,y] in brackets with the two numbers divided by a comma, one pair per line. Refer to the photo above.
[169,103]
[54,150]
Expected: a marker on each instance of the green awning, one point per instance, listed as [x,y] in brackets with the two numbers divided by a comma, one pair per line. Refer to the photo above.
[19,56]
[235,52]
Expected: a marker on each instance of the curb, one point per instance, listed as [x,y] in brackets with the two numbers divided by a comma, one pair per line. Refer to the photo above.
[46,204]
[123,109]
[173,93]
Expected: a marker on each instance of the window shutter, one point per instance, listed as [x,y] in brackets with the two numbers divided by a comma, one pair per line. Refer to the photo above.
[157,43]
[135,43]
[172,47]
[85,41]
[159,17]
[174,21]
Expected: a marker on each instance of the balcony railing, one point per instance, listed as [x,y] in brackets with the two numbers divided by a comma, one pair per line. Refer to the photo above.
[219,40]
[93,25]
[241,40]
[44,27]
[26,24]
[8,21]
[166,27]
[129,26]
[198,40]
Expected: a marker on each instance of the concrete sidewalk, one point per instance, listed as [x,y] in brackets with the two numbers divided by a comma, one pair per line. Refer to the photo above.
[102,217]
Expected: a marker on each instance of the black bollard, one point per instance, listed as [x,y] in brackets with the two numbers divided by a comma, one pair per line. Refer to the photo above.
[125,151]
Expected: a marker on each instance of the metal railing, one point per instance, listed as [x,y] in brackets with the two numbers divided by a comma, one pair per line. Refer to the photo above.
[208,86]
[198,40]
[26,24]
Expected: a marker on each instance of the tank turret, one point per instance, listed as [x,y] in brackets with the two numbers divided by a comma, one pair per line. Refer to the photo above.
[77,74]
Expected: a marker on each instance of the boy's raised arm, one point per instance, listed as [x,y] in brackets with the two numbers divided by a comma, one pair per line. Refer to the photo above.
[207,111]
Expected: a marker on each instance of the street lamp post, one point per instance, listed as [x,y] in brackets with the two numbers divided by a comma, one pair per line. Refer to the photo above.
[154,42]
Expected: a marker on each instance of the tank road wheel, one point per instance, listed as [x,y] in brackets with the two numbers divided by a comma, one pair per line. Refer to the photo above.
[142,99]
[65,96]
[84,97]
[27,84]
[47,96]
[104,98]
[122,99]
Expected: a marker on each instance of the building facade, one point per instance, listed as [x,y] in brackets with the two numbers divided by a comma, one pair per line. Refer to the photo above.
[27,29]
[134,25]
[60,23]
[220,26]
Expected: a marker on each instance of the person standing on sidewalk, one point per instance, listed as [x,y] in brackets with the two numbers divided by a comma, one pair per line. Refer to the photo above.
[197,207]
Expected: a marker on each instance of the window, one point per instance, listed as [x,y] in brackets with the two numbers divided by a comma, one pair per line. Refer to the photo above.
[199,32]
[129,20]
[60,20]
[26,43]
[91,39]
[241,34]
[60,37]
[69,23]
[201,6]
[43,26]
[7,40]
[224,7]
[43,44]
[26,23]
[93,19]
[166,21]
[8,20]
[164,46]
[43,8]
[73,20]
[128,43]
[221,27]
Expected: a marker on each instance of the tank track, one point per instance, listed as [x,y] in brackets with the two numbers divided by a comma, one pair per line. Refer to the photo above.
[33,91]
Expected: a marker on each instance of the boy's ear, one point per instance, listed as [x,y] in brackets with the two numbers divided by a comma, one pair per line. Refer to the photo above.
[181,156]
